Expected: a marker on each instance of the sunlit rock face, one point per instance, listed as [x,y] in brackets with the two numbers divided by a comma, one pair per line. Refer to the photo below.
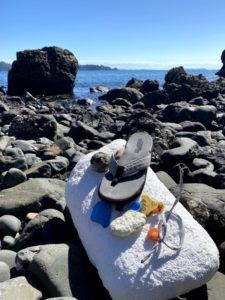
[49,71]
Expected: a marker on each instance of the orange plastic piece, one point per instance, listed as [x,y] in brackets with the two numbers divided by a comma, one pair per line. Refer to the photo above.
[159,209]
[154,234]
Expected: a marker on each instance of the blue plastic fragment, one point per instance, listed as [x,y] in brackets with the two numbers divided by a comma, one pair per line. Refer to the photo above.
[101,213]
[135,205]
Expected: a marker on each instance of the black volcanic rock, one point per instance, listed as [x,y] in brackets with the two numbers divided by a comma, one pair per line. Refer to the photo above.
[221,72]
[50,71]
[179,76]
[149,86]
[33,126]
[134,83]
[4,66]
[130,94]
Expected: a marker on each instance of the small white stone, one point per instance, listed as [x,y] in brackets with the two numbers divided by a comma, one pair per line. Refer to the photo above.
[128,223]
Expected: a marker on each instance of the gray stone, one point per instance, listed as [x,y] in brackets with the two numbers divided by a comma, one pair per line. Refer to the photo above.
[59,270]
[62,130]
[73,156]
[149,86]
[65,143]
[4,272]
[166,179]
[3,107]
[13,177]
[181,150]
[18,289]
[44,141]
[8,162]
[25,146]
[80,131]
[201,139]
[85,101]
[33,195]
[199,163]
[174,126]
[100,162]
[9,225]
[8,242]
[130,94]
[135,83]
[13,152]
[152,99]
[216,287]
[8,257]
[48,227]
[192,126]
[48,168]
[121,102]
[204,114]
[32,159]
[99,89]
[95,144]
[208,206]
[4,141]
[39,170]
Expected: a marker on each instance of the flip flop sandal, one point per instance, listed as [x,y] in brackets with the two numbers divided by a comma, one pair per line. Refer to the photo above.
[126,177]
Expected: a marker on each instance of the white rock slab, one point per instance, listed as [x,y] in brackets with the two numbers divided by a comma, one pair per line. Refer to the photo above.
[118,260]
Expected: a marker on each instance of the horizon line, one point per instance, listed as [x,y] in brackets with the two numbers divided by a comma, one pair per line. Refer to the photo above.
[146,65]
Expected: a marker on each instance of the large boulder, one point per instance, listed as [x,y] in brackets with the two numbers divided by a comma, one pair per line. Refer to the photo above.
[33,126]
[50,71]
[206,204]
[127,93]
[179,76]
[33,195]
[221,72]
[19,289]
[189,268]
[60,270]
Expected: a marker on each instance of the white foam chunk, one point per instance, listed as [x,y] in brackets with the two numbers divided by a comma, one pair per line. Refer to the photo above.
[118,260]
[130,222]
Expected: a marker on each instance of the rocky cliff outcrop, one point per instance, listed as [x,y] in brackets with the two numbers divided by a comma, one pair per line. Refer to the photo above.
[49,71]
[221,72]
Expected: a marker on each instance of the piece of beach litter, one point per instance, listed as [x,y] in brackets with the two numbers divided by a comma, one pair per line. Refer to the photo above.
[101,213]
[149,205]
[128,223]
[135,205]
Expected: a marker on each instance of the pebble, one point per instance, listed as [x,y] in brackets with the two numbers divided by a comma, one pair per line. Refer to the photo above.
[13,177]
[8,257]
[9,225]
[31,216]
[100,162]
[8,242]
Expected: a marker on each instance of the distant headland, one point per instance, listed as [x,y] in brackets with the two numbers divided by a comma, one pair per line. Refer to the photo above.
[4,66]
[96,67]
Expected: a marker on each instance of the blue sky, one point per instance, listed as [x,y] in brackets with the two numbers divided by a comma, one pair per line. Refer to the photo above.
[153,34]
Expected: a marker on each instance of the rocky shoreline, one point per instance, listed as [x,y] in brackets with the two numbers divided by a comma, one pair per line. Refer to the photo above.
[40,143]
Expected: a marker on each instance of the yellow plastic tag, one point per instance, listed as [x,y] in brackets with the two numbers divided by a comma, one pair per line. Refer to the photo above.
[149,205]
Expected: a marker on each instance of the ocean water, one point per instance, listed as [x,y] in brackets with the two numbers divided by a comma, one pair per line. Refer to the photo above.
[118,78]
